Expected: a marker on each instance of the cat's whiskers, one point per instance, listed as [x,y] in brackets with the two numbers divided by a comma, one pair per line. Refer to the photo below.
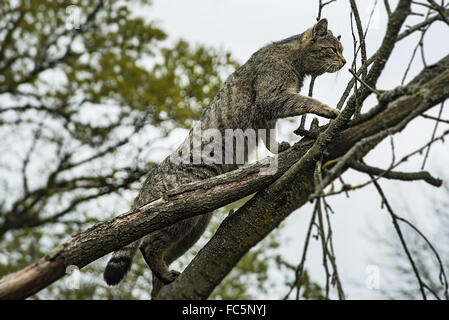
[318,71]
[328,68]
[335,67]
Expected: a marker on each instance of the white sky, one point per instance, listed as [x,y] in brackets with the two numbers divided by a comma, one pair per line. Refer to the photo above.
[242,27]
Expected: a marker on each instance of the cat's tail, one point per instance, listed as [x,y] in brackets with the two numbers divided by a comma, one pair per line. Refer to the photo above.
[120,263]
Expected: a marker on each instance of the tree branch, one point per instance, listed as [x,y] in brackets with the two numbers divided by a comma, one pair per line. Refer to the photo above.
[396,175]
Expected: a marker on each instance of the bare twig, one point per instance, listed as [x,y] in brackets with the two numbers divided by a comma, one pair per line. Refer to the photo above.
[300,268]
[441,10]
[387,7]
[420,44]
[361,34]
[433,135]
[396,175]
[321,5]
[435,118]
[443,277]
[401,237]
[377,92]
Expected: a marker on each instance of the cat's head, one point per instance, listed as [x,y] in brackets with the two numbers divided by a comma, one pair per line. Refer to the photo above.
[322,52]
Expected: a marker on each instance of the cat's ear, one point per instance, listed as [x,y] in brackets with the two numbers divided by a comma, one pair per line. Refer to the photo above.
[320,29]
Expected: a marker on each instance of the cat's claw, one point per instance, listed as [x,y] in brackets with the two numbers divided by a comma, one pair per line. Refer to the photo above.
[336,113]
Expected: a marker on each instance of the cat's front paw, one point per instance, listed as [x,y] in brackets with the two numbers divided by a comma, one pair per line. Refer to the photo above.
[330,113]
[324,110]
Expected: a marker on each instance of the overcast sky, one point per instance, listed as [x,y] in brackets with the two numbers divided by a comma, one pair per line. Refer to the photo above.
[242,27]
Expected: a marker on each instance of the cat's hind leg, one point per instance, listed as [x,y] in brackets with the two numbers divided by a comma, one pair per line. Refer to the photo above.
[154,248]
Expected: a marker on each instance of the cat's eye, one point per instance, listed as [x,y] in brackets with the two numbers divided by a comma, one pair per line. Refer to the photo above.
[333,49]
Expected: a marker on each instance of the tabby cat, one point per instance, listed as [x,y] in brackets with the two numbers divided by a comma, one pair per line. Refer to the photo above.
[258,93]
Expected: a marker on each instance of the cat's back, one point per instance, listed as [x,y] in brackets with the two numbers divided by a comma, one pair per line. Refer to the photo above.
[233,107]
[234,104]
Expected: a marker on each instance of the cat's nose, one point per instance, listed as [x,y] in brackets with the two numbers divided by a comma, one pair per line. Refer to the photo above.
[343,61]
